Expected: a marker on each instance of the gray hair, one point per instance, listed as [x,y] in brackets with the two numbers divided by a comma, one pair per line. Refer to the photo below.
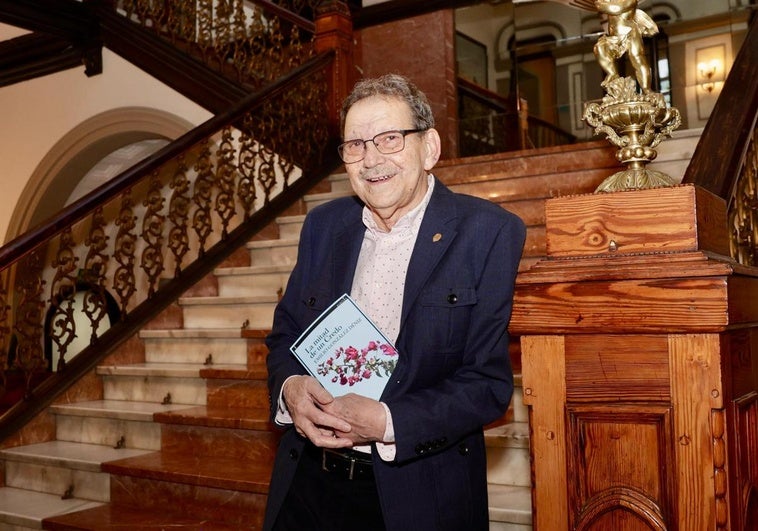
[396,86]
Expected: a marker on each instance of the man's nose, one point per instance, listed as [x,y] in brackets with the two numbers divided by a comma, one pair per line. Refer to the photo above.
[373,155]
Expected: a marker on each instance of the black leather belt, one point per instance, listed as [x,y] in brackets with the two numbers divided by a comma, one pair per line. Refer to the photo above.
[346,464]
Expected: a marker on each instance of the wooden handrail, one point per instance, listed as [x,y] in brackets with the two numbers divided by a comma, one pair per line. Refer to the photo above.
[486,97]
[24,243]
[171,288]
[286,14]
[720,153]
[513,115]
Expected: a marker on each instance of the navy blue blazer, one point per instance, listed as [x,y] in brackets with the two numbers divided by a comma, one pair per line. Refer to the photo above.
[453,373]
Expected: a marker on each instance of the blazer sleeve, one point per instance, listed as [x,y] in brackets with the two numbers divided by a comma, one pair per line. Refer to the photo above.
[329,242]
[287,325]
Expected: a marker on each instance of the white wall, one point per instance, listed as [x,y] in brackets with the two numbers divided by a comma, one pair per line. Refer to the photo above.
[38,113]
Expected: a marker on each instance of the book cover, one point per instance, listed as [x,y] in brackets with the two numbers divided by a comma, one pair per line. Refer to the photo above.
[345,351]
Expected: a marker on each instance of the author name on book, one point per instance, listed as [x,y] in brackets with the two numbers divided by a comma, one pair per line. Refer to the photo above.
[323,341]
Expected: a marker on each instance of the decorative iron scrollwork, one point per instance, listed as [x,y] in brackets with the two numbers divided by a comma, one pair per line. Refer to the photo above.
[743,209]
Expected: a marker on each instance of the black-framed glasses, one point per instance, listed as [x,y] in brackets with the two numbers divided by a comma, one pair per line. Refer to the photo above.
[386,143]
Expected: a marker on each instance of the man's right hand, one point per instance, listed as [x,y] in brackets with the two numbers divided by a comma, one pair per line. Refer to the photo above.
[305,397]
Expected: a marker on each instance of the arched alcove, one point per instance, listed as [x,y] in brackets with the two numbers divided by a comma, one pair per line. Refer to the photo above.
[59,173]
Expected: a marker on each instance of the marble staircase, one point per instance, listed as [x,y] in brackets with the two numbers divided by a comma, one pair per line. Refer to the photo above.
[182,439]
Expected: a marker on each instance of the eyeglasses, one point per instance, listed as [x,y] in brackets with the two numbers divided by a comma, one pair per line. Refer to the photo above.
[386,143]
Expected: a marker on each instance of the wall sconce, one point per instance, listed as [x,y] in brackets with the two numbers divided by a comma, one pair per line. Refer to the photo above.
[709,73]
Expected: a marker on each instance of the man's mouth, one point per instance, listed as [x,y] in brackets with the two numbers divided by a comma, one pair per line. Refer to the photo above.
[378,178]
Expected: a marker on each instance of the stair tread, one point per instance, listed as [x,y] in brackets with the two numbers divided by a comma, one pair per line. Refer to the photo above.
[264,244]
[294,218]
[327,195]
[74,455]
[121,409]
[230,473]
[176,370]
[116,517]
[28,508]
[215,299]
[257,371]
[508,435]
[190,333]
[255,333]
[219,417]
[253,270]
[510,504]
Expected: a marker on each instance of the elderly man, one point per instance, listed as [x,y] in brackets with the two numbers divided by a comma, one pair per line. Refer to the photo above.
[435,271]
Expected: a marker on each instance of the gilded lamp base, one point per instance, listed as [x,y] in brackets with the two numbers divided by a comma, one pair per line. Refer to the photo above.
[635,179]
[636,124]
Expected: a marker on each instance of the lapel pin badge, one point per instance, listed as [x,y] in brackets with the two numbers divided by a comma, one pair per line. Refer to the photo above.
[437,237]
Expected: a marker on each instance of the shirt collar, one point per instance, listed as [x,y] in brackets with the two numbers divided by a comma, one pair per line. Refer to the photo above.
[410,220]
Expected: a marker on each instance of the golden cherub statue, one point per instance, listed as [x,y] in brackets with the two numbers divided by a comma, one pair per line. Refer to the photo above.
[635,122]
[626,27]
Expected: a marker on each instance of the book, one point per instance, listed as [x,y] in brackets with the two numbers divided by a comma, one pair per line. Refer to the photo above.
[346,352]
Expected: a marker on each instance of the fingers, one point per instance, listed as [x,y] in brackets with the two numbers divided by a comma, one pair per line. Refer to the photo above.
[305,398]
[366,417]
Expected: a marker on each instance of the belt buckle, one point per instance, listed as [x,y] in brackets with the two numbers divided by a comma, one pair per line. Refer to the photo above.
[338,455]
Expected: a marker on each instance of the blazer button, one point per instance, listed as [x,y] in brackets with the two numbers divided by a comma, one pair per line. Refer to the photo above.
[452,298]
[293,454]
[420,449]
[463,449]
[311,301]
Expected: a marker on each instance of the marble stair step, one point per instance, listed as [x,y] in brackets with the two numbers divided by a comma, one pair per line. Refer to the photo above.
[340,182]
[531,211]
[243,433]
[508,454]
[510,508]
[507,187]
[520,411]
[528,164]
[289,226]
[111,423]
[188,345]
[226,489]
[22,509]
[220,472]
[111,517]
[61,467]
[281,252]
[174,383]
[252,281]
[314,200]
[237,388]
[228,312]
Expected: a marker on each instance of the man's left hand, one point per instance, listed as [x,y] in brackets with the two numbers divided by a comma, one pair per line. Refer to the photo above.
[366,416]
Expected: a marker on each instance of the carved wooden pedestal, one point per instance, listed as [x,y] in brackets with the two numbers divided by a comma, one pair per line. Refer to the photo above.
[639,345]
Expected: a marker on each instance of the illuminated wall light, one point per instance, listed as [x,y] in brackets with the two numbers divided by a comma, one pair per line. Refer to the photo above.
[708,73]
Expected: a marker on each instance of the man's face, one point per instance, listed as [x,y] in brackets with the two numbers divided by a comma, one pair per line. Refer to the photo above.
[390,185]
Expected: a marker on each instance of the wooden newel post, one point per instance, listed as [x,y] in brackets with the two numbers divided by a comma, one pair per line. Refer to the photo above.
[639,340]
[334,31]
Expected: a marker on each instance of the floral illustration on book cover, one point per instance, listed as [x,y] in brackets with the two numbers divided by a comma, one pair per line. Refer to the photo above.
[346,352]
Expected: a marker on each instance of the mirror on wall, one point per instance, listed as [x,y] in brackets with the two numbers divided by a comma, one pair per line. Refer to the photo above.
[539,59]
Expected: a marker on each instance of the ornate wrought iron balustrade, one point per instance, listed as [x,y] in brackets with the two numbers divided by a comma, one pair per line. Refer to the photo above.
[250,42]
[134,245]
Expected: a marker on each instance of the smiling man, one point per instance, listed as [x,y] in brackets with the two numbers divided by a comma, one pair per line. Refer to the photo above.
[435,271]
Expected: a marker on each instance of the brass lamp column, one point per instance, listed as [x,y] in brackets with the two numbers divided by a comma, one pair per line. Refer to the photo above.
[634,121]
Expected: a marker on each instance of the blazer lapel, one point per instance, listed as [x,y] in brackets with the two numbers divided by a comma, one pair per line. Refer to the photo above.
[347,246]
[437,232]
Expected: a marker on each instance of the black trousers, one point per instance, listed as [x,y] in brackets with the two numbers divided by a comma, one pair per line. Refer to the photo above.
[319,500]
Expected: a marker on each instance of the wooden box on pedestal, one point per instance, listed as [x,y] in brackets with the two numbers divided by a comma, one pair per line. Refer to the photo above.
[639,340]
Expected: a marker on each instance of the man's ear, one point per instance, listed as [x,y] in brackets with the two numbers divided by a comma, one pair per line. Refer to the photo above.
[433,148]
